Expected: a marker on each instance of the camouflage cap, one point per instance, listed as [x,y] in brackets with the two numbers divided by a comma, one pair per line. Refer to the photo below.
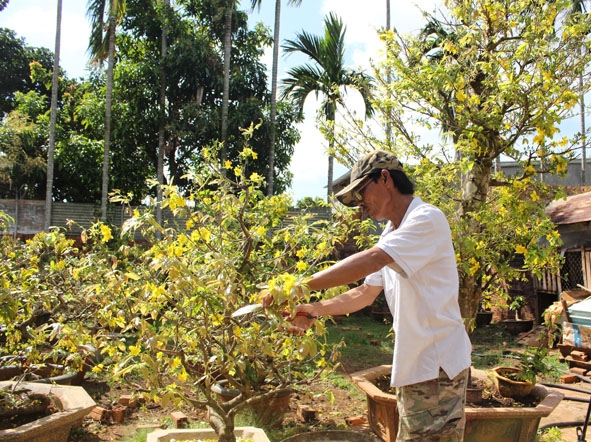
[373,162]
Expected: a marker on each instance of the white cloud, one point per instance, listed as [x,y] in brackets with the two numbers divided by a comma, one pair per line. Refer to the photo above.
[37,24]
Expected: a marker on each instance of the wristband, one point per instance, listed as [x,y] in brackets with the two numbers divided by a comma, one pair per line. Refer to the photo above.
[306,314]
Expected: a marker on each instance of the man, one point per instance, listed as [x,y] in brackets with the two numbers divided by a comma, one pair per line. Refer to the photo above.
[414,264]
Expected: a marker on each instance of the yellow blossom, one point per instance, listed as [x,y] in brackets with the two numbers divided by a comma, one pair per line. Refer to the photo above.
[106,233]
[301,266]
[520,249]
[176,362]
[134,350]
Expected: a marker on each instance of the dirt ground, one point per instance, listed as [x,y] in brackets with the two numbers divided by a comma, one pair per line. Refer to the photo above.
[329,416]
[346,412]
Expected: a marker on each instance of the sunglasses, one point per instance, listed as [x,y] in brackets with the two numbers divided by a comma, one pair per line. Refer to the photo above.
[358,193]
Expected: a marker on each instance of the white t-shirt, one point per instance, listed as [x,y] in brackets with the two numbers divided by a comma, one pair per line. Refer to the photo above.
[421,288]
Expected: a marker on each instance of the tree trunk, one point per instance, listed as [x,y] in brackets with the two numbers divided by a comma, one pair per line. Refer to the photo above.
[223,425]
[475,190]
[161,129]
[226,92]
[53,117]
[583,131]
[108,105]
[469,297]
[331,117]
[271,164]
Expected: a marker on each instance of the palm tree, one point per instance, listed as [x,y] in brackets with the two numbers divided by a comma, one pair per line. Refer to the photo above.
[229,10]
[273,112]
[101,47]
[53,116]
[162,123]
[327,76]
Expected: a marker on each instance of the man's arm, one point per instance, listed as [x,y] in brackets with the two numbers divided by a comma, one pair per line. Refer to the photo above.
[350,269]
[348,302]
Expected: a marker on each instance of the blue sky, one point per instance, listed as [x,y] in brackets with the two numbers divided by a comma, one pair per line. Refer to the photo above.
[35,21]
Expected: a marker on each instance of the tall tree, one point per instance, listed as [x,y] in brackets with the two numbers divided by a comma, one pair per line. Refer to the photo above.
[101,47]
[498,81]
[229,11]
[327,75]
[162,123]
[273,113]
[53,116]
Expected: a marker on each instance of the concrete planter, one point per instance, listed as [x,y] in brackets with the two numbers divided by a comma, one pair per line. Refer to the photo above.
[74,403]
[256,434]
[482,424]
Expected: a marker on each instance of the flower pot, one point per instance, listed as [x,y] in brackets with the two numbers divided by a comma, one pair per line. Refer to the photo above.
[483,318]
[266,412]
[474,394]
[74,403]
[517,326]
[504,424]
[250,433]
[508,387]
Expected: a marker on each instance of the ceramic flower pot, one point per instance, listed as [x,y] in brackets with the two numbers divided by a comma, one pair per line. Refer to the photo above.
[509,387]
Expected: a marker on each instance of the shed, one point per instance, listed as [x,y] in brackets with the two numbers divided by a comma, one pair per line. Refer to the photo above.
[572,215]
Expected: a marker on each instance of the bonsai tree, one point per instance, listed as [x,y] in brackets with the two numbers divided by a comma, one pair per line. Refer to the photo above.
[481,82]
[174,304]
[158,300]
[533,362]
[41,313]
[515,306]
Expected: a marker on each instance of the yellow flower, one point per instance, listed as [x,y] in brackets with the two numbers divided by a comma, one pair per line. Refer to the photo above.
[106,233]
[134,350]
[520,249]
[176,362]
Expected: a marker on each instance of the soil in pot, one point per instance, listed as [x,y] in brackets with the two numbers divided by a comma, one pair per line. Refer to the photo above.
[488,394]
[332,436]
[21,406]
[517,326]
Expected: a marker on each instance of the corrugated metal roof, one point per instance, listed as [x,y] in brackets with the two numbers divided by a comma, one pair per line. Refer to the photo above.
[572,210]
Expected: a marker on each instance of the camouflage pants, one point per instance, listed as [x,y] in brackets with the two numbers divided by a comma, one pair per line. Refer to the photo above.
[433,411]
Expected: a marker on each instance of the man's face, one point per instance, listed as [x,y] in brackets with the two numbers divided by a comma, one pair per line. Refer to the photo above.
[372,195]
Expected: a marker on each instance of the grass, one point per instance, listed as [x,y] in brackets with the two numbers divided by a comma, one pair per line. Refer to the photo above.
[368,342]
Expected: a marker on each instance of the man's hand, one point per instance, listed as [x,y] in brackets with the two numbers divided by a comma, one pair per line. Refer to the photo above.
[303,320]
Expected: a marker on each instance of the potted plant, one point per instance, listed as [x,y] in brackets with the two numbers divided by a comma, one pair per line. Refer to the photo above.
[175,305]
[508,424]
[518,381]
[484,314]
[70,403]
[516,324]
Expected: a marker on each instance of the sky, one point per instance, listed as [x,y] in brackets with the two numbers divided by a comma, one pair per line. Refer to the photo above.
[34,20]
